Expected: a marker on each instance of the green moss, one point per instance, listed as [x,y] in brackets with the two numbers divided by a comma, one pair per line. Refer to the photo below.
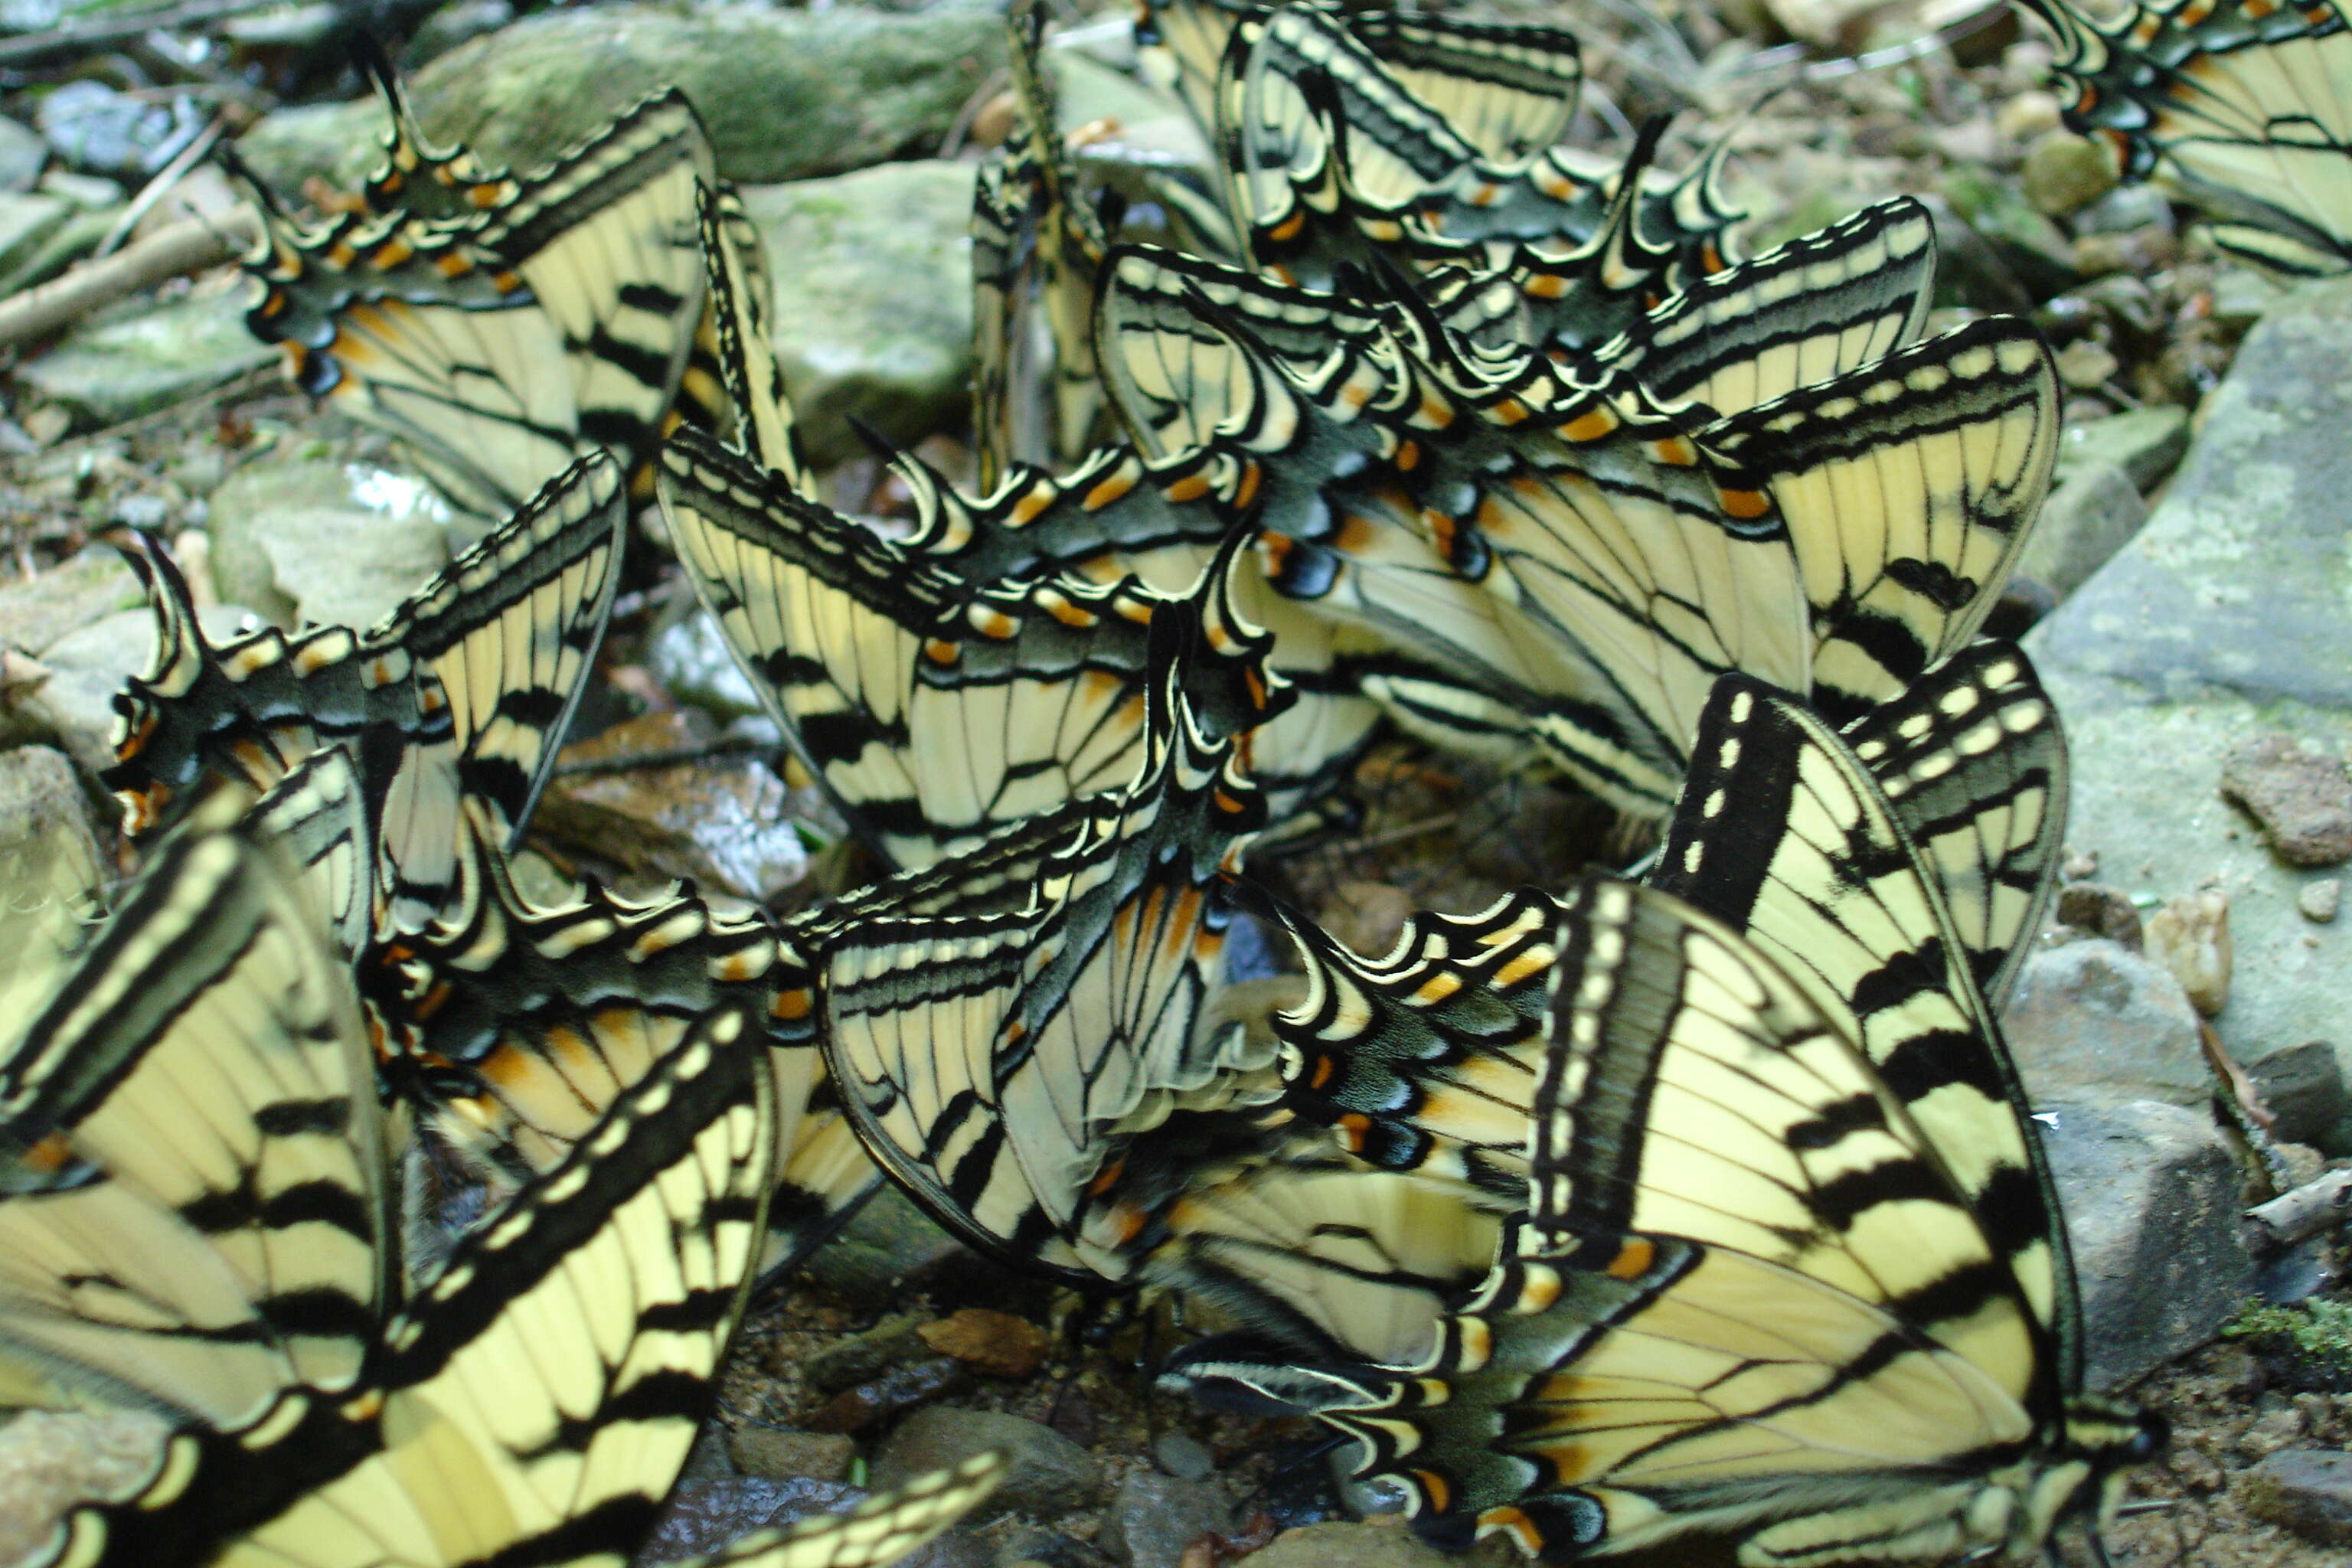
[2314,1338]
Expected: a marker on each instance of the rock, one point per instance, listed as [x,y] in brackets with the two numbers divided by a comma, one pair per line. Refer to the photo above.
[2151,1195]
[106,131]
[887,1244]
[859,1356]
[1367,916]
[2094,1020]
[22,155]
[724,821]
[703,1519]
[1152,1519]
[2126,209]
[76,238]
[49,1460]
[2025,115]
[119,366]
[1185,1457]
[1347,1544]
[2303,1087]
[2028,245]
[1819,21]
[785,94]
[2224,619]
[2086,364]
[37,610]
[2145,443]
[2302,800]
[2190,937]
[26,222]
[2304,1491]
[2100,910]
[309,538]
[88,666]
[779,1453]
[873,279]
[900,1386]
[2064,172]
[689,658]
[2090,515]
[1048,1549]
[2318,901]
[994,1344]
[1047,1474]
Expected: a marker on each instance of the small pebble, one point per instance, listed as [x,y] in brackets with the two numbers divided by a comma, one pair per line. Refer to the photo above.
[843,1363]
[2080,866]
[2102,911]
[2085,363]
[2319,900]
[779,1453]
[1185,1457]
[994,1344]
[900,1388]
[2302,799]
[2190,937]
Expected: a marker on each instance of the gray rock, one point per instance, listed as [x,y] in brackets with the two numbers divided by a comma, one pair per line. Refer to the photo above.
[2125,208]
[107,371]
[703,1519]
[2304,1491]
[2304,1087]
[1152,1519]
[1185,1457]
[690,659]
[889,1242]
[312,539]
[88,666]
[2036,255]
[2097,910]
[2319,901]
[2091,514]
[1048,1548]
[787,95]
[26,222]
[2151,1195]
[779,1453]
[49,1461]
[1045,1473]
[103,128]
[2093,1019]
[2145,443]
[873,277]
[2223,619]
[22,154]
[861,1355]
[1347,1544]
[37,611]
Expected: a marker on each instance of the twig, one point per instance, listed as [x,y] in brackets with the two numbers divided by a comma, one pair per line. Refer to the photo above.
[31,47]
[188,246]
[157,188]
[2304,1211]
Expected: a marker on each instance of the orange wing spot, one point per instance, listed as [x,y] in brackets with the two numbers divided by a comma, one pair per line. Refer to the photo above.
[483,196]
[795,1003]
[1407,456]
[1015,1032]
[1288,228]
[1437,987]
[1319,1072]
[1442,529]
[1518,1525]
[1070,612]
[994,624]
[273,305]
[1284,275]
[1510,411]
[1675,452]
[1486,195]
[1276,549]
[1191,488]
[1353,1129]
[48,1156]
[257,761]
[1541,1290]
[1634,1260]
[394,253]
[1544,286]
[452,264]
[1246,491]
[1038,500]
[1555,185]
[1589,425]
[1111,489]
[1525,965]
[1106,1178]
[1355,394]
[1435,414]
[1257,692]
[1226,803]
[939,650]
[1745,505]
[1436,1487]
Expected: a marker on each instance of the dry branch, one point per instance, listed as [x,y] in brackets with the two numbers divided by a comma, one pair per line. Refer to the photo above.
[188,246]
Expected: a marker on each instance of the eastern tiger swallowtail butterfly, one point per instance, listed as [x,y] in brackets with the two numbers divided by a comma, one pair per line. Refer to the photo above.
[194,1197]
[440,310]
[460,694]
[1426,1060]
[937,706]
[1789,1273]
[1017,1073]
[2240,108]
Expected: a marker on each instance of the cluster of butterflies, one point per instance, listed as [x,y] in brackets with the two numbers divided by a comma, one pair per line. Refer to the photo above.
[1700,1204]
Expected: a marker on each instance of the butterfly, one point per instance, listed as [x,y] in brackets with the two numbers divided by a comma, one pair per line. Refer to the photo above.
[1790,1270]
[437,311]
[2238,108]
[461,693]
[236,1270]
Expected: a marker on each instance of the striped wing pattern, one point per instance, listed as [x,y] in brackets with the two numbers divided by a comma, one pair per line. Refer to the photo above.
[2239,106]
[464,691]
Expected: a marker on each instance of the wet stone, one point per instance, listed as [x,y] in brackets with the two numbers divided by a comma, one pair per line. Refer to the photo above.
[861,1355]
[1152,1519]
[2064,173]
[22,154]
[1183,1457]
[703,1519]
[2302,799]
[110,369]
[2304,1491]
[2093,1019]
[1348,1545]
[901,1387]
[2319,900]
[2100,910]
[2303,1087]
[994,1344]
[779,1453]
[1047,1474]
[2091,513]
[37,610]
